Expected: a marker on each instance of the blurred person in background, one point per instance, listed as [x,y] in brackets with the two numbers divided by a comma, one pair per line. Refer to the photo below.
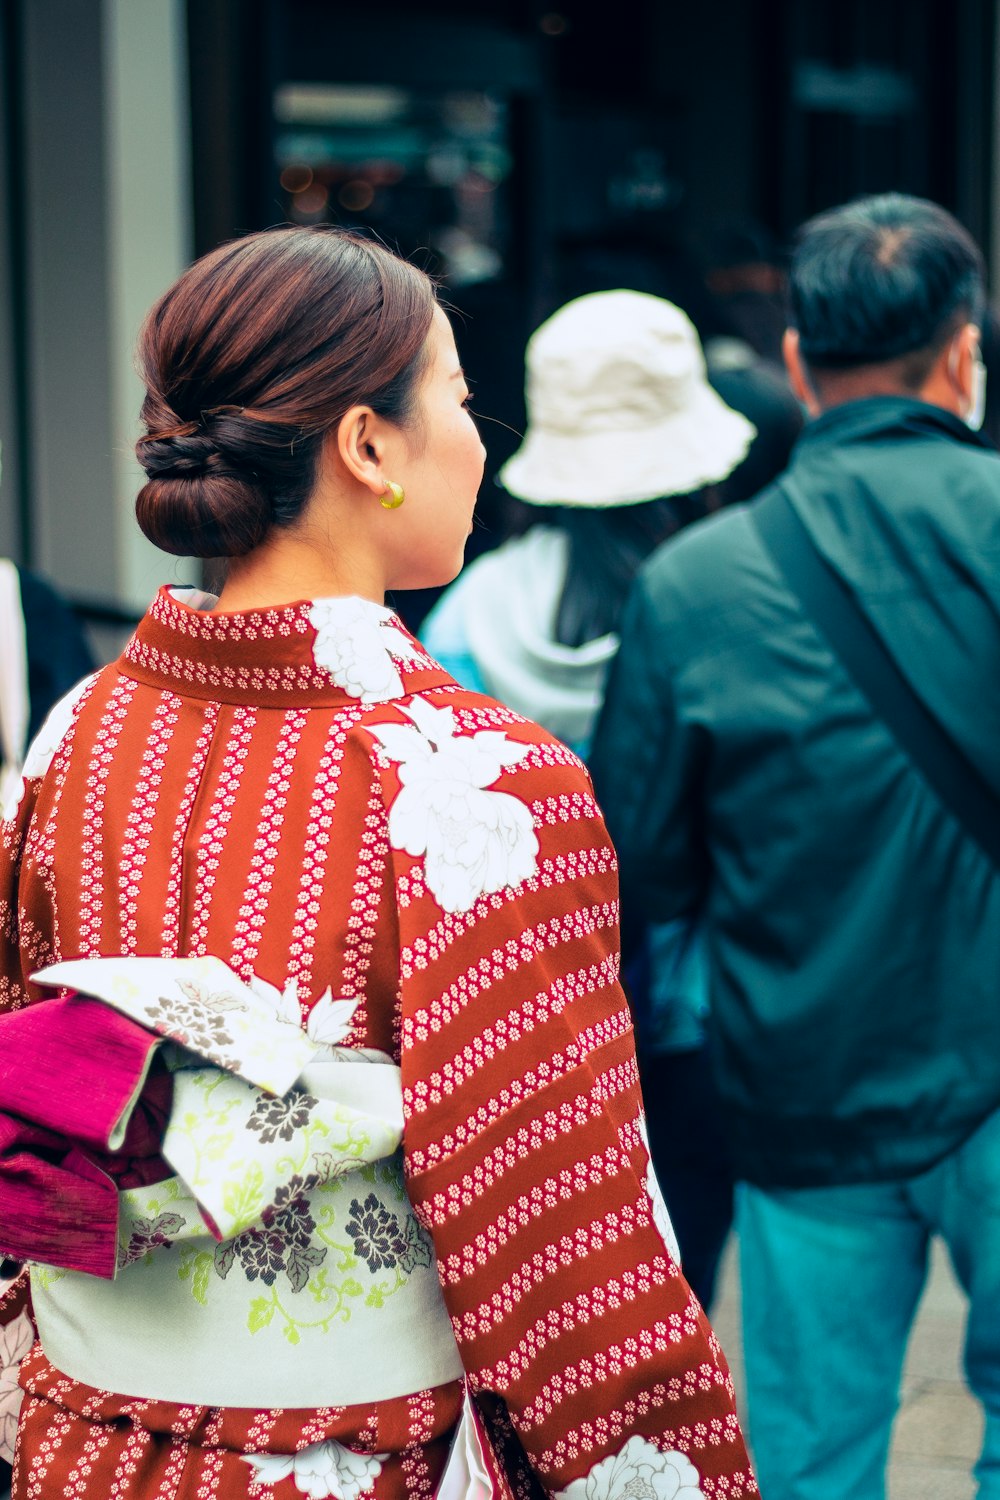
[742,355]
[749,283]
[43,652]
[320,1123]
[799,748]
[626,444]
[765,398]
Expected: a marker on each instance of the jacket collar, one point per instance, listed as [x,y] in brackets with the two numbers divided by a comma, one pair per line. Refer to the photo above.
[885,417]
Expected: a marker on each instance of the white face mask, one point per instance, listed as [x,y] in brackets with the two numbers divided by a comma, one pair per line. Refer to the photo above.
[977,406]
[975,412]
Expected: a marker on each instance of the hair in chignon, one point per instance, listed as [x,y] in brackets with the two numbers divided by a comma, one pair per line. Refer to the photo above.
[249,360]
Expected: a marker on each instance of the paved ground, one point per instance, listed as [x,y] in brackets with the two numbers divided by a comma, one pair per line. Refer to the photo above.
[939,1426]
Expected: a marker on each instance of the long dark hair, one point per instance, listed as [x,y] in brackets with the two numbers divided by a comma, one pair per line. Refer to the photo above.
[607,547]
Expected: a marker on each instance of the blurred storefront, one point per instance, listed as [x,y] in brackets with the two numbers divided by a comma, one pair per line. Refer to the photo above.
[522,151]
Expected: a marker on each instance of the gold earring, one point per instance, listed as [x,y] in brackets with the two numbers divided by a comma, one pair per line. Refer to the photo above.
[394,498]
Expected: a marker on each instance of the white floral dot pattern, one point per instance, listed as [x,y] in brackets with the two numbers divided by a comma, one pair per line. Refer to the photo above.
[474,841]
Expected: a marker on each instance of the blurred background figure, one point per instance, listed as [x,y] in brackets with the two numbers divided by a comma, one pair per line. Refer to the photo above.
[627,443]
[748,281]
[42,654]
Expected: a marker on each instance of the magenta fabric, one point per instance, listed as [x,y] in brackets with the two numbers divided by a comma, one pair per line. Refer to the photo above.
[72,1065]
[68,1069]
[56,1206]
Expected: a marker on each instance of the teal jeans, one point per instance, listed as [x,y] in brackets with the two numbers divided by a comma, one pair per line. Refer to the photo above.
[831,1280]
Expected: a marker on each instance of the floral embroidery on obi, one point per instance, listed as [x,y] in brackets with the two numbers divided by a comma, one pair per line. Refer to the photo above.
[474,841]
[383,1240]
[359,643]
[204,1007]
[322,1470]
[327,1024]
[639,1471]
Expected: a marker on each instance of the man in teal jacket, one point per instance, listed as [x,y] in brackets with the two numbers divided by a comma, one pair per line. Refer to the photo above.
[853,921]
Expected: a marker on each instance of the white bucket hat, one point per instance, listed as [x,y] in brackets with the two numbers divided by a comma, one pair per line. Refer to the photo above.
[619,407]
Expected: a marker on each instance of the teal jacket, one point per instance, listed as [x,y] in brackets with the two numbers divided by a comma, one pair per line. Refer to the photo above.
[854,927]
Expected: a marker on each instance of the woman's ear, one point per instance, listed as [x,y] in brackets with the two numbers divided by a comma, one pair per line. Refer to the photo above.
[360,447]
[797,377]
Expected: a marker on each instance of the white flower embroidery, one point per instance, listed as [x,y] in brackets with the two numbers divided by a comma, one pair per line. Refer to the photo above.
[661,1214]
[15,1341]
[359,643]
[475,841]
[41,751]
[329,1020]
[325,1471]
[640,1471]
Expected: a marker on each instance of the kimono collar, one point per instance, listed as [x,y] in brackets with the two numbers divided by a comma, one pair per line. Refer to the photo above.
[321,651]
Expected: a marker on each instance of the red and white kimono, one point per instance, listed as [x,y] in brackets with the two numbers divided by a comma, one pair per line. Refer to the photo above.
[339,1123]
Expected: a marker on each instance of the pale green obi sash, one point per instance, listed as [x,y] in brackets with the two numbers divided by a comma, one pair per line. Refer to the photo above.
[282,1265]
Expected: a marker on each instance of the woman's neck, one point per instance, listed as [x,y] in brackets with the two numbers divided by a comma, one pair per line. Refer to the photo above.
[289,567]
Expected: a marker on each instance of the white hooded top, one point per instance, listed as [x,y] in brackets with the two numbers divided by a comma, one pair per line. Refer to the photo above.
[502,613]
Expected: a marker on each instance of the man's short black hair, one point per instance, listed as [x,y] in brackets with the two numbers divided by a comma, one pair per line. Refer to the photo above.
[880,279]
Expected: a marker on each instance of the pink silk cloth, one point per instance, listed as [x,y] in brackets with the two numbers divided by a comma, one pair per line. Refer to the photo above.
[73,1073]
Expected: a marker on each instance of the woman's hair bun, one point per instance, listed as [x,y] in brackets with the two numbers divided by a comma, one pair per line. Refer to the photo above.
[250,359]
[196,503]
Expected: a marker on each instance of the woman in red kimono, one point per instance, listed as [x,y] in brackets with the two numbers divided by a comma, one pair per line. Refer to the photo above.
[321,1135]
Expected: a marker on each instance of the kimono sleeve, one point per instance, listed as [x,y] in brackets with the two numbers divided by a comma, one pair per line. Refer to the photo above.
[524,1137]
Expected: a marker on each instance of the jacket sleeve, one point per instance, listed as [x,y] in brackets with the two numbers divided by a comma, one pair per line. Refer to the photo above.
[648,761]
[526,1158]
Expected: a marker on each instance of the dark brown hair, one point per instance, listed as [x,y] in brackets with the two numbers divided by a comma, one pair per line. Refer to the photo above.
[249,360]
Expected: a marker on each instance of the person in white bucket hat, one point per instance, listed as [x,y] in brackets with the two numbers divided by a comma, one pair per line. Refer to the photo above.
[620,410]
[625,442]
[625,439]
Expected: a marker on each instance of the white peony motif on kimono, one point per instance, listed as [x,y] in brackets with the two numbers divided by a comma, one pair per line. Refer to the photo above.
[325,1471]
[15,1341]
[474,841]
[329,1020]
[639,1472]
[42,750]
[661,1215]
[359,643]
